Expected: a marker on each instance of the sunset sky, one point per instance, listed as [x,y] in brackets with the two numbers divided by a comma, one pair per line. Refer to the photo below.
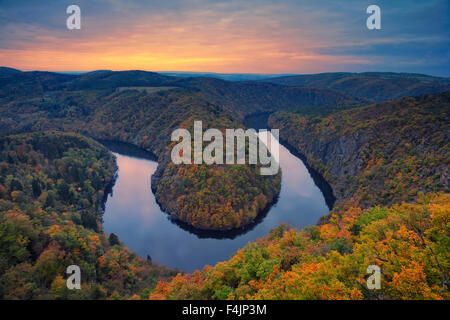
[250,36]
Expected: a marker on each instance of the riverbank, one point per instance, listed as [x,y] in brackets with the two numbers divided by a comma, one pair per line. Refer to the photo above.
[133,213]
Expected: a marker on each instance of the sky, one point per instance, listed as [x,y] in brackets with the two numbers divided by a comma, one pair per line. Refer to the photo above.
[227,36]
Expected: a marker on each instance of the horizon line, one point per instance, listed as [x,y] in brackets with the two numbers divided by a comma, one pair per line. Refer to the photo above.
[223,73]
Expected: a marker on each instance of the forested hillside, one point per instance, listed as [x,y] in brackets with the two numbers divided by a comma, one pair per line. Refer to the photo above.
[52,188]
[191,194]
[388,165]
[409,242]
[93,105]
[379,154]
[242,98]
[375,86]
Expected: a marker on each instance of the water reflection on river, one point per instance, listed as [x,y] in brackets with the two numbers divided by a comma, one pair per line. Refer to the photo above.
[132,213]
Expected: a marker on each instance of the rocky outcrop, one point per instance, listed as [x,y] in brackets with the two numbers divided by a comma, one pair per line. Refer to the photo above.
[376,155]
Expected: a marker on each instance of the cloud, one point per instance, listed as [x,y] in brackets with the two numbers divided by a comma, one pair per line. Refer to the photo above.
[225,36]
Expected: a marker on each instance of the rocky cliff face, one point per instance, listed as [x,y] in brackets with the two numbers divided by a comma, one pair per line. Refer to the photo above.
[379,154]
[335,158]
[342,156]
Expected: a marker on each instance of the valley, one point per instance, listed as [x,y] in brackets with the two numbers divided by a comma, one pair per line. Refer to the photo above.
[133,214]
[382,166]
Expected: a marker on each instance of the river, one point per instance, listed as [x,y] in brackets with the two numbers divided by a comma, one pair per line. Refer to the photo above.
[132,213]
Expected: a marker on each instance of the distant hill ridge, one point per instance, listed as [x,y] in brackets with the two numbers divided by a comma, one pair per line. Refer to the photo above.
[340,88]
[6,70]
[242,97]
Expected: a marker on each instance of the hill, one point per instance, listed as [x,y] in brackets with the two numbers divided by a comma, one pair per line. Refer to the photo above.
[18,85]
[52,189]
[376,86]
[6,70]
[94,104]
[111,80]
[388,164]
[379,154]
[244,98]
[329,261]
[241,98]
[145,119]
[223,76]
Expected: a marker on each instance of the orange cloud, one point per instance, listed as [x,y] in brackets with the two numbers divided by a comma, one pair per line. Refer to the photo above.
[198,40]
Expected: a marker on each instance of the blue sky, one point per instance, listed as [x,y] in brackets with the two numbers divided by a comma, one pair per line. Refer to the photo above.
[227,36]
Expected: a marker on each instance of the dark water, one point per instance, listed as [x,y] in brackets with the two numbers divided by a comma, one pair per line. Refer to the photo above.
[132,213]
